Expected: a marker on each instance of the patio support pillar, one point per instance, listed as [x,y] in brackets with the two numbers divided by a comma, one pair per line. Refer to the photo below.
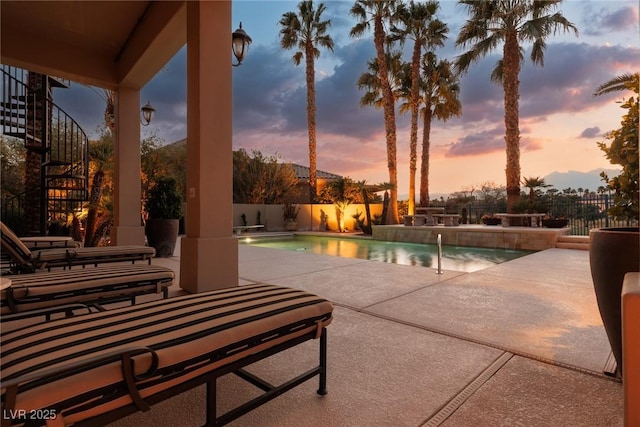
[631,348]
[127,229]
[209,251]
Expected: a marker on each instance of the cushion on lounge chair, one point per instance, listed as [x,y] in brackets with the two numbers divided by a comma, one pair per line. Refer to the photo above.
[87,285]
[25,260]
[49,242]
[73,367]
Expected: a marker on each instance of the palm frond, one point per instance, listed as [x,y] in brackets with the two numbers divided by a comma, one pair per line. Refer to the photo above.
[619,83]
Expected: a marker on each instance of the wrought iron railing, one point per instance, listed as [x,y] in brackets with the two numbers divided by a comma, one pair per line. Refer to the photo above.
[27,112]
[582,211]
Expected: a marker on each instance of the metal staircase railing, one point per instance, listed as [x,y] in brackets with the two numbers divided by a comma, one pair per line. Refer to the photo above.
[56,146]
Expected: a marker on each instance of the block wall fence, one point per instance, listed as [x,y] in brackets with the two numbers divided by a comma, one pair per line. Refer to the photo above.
[308,216]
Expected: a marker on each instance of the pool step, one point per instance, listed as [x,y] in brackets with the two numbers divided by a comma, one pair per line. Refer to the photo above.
[573,242]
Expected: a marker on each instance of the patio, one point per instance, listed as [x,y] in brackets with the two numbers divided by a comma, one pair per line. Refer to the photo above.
[520,343]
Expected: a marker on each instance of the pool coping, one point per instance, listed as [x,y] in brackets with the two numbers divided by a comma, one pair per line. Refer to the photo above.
[482,236]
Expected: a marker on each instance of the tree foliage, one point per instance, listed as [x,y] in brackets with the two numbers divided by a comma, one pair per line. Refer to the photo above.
[160,160]
[12,163]
[622,149]
[261,179]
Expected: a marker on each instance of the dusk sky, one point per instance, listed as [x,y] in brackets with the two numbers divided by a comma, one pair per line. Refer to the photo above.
[560,121]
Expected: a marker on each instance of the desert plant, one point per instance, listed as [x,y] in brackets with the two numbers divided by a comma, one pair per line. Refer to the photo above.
[290,211]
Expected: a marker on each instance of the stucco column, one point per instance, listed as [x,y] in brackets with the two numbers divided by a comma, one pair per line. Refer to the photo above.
[127,228]
[209,252]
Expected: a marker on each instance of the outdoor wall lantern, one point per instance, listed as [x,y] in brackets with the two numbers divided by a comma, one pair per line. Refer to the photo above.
[240,42]
[147,114]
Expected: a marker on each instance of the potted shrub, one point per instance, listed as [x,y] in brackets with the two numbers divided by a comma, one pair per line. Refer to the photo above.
[613,252]
[164,209]
[290,216]
[557,222]
[490,220]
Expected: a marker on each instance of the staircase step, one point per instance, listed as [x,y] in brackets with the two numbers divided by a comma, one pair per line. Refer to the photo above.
[573,239]
[579,246]
[573,242]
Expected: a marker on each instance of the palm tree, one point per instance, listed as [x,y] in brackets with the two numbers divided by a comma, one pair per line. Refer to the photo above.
[440,90]
[101,162]
[510,22]
[98,217]
[370,82]
[306,31]
[418,24]
[532,183]
[623,82]
[378,12]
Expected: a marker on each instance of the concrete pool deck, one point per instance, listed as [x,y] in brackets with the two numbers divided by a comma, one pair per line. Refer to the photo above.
[520,343]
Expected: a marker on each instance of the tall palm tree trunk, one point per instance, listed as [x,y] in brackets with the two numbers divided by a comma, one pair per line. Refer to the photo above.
[511,72]
[424,166]
[389,121]
[311,120]
[413,139]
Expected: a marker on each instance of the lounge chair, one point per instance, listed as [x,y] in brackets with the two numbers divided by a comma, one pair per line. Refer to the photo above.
[93,369]
[95,285]
[49,242]
[24,260]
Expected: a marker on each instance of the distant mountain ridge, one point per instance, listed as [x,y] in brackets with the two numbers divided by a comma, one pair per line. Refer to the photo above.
[576,179]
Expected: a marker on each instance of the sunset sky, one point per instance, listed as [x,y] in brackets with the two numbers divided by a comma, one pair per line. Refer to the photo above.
[560,120]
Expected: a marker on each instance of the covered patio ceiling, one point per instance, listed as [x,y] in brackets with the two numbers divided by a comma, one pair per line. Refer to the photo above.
[100,43]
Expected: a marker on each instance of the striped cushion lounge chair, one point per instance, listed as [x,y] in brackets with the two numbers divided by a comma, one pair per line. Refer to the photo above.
[94,285]
[49,242]
[95,368]
[24,260]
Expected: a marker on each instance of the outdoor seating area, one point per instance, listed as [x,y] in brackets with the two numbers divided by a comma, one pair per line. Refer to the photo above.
[537,336]
[432,219]
[500,346]
[160,349]
[531,219]
[238,229]
[92,286]
[22,259]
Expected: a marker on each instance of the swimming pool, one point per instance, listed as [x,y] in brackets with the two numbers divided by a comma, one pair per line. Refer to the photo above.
[425,255]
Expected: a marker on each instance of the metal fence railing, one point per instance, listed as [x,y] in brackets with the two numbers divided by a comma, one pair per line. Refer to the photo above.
[582,211]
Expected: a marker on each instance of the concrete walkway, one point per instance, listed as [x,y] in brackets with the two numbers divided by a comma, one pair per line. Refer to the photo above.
[519,343]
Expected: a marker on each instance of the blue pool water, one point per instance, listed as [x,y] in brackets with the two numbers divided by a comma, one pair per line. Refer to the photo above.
[417,254]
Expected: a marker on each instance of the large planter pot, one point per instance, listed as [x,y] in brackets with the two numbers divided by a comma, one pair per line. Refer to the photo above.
[613,252]
[290,225]
[555,223]
[492,221]
[162,235]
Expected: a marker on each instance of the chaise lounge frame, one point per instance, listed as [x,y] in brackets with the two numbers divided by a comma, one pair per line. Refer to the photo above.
[23,260]
[296,317]
[91,286]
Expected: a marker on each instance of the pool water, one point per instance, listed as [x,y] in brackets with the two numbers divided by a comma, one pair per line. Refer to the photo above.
[425,255]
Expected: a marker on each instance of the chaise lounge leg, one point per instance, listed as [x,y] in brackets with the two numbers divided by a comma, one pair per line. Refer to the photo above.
[211,403]
[322,389]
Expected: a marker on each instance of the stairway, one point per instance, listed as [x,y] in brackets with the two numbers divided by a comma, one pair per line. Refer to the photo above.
[57,159]
[573,242]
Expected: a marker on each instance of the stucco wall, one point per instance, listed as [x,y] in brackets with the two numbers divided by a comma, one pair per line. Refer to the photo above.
[308,216]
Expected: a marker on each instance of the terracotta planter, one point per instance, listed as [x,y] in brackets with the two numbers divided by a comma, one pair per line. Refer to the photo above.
[613,252]
[290,225]
[162,235]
